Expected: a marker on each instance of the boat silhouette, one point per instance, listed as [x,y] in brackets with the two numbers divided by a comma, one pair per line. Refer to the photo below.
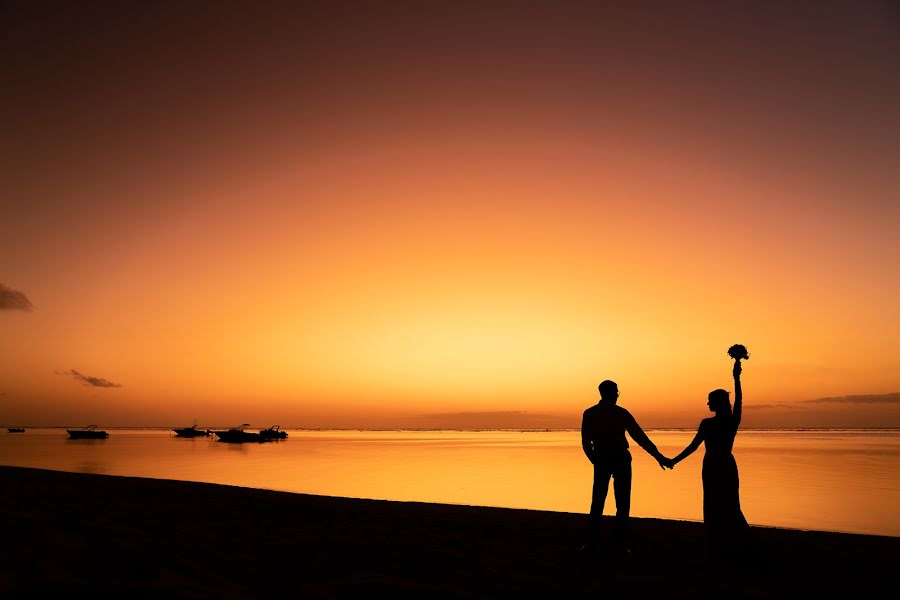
[16,430]
[190,432]
[273,433]
[88,433]
[238,434]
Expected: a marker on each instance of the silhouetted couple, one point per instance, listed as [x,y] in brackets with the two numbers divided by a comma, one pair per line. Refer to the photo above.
[603,439]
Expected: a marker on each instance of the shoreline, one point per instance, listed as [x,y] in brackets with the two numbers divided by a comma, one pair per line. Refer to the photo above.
[118,534]
[439,429]
[449,504]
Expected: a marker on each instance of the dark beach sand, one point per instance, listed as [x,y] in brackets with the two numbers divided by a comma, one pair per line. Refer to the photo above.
[76,533]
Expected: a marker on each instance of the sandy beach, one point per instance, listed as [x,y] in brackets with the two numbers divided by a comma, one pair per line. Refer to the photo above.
[104,535]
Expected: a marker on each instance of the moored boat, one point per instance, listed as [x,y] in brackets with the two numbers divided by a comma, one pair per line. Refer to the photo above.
[273,433]
[191,431]
[88,433]
[238,434]
[16,430]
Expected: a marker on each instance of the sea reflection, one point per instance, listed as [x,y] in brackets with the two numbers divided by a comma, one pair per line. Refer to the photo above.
[831,480]
[95,467]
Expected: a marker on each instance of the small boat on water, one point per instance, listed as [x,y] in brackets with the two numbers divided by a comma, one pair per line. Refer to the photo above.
[16,430]
[238,434]
[273,433]
[190,432]
[88,433]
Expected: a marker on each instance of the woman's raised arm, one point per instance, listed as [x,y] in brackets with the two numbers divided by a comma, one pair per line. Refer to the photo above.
[738,394]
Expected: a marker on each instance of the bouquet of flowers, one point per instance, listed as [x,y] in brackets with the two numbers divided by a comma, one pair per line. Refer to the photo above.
[738,352]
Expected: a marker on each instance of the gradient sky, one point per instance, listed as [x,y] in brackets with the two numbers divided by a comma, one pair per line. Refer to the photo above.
[388,214]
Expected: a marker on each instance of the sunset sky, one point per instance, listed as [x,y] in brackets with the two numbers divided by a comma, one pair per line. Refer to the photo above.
[399,215]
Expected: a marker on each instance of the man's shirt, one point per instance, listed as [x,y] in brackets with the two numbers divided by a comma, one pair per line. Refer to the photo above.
[603,430]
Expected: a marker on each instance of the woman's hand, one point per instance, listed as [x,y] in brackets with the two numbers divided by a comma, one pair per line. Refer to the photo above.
[737,369]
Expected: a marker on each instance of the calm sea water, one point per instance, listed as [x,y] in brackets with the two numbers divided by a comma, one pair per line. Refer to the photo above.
[827,480]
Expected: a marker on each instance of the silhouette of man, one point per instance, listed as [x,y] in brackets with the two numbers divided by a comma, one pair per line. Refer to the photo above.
[603,440]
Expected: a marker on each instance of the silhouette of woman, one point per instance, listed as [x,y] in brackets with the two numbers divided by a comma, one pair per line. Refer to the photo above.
[727,531]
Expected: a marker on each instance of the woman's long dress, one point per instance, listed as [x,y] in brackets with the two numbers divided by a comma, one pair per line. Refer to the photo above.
[727,530]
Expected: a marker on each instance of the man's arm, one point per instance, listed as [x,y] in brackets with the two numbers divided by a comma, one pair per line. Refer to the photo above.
[586,443]
[638,435]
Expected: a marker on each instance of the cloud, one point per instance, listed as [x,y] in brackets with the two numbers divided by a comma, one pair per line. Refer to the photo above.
[500,420]
[891,398]
[11,299]
[91,380]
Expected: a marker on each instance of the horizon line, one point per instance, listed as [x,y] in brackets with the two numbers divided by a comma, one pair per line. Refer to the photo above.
[476,429]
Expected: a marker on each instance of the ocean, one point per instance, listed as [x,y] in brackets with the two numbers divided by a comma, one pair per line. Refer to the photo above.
[831,480]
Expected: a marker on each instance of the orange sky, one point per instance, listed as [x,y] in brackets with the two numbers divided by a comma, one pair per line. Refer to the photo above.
[379,218]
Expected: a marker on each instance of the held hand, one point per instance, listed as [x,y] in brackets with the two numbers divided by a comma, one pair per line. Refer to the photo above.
[665,463]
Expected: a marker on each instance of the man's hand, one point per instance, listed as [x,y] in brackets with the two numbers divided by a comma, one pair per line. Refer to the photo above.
[665,462]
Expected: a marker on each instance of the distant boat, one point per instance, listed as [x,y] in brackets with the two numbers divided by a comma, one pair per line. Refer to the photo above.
[238,434]
[16,430]
[273,433]
[88,433]
[191,431]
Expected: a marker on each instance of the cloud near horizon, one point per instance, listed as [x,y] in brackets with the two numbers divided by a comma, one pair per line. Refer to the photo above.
[501,419]
[91,380]
[11,299]
[890,398]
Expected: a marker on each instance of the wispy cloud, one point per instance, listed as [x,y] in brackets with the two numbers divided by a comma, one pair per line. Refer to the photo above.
[11,299]
[478,413]
[91,380]
[891,398]
[512,419]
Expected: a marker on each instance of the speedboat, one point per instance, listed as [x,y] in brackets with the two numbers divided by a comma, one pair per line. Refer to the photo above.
[273,433]
[238,434]
[88,433]
[191,431]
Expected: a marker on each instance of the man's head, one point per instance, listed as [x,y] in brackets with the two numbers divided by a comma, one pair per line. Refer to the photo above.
[609,391]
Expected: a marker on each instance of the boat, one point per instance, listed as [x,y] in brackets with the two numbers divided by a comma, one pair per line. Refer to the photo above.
[273,433]
[16,430]
[191,432]
[88,433]
[238,434]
